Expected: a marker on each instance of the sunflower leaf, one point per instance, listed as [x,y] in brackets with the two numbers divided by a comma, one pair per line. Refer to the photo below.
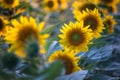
[91,58]
[51,72]
[102,77]
[80,75]
[53,47]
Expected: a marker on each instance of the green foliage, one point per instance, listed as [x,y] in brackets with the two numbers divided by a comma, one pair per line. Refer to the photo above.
[51,71]
[94,56]
[80,75]
[53,47]
[9,60]
[32,49]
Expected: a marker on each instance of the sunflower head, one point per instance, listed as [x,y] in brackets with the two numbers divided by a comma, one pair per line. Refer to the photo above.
[83,5]
[3,27]
[79,7]
[112,9]
[92,18]
[9,3]
[50,5]
[75,37]
[108,2]
[22,32]
[62,4]
[69,60]
[110,22]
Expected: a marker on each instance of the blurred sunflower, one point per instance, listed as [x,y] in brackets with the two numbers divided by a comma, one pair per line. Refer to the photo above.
[23,31]
[75,37]
[95,1]
[110,22]
[112,9]
[92,18]
[9,3]
[50,5]
[3,27]
[83,5]
[62,4]
[108,2]
[79,6]
[69,60]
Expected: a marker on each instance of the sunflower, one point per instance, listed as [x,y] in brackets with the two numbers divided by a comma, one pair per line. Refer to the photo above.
[112,9]
[92,18]
[62,4]
[83,5]
[9,3]
[78,7]
[21,32]
[75,37]
[3,27]
[50,5]
[110,22]
[69,60]
[108,2]
[95,1]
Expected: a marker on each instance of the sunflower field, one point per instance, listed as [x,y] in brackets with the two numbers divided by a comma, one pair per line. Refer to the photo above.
[59,39]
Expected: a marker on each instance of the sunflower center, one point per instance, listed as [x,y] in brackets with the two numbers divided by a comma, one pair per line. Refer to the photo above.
[1,24]
[109,22]
[92,21]
[27,33]
[68,66]
[50,4]
[107,1]
[9,1]
[75,38]
[111,9]
[87,5]
[59,1]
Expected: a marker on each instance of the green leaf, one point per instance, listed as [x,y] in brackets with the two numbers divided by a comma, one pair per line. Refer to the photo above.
[48,30]
[80,75]
[91,58]
[109,65]
[51,72]
[53,47]
[102,77]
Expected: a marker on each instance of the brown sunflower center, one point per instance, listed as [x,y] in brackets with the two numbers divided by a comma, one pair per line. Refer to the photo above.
[109,22]
[59,1]
[92,21]
[50,4]
[9,1]
[75,38]
[87,5]
[68,65]
[1,24]
[107,1]
[111,9]
[27,33]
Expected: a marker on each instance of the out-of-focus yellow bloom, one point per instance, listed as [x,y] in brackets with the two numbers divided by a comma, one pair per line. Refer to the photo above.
[110,23]
[21,32]
[108,2]
[9,3]
[62,4]
[50,5]
[3,27]
[78,5]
